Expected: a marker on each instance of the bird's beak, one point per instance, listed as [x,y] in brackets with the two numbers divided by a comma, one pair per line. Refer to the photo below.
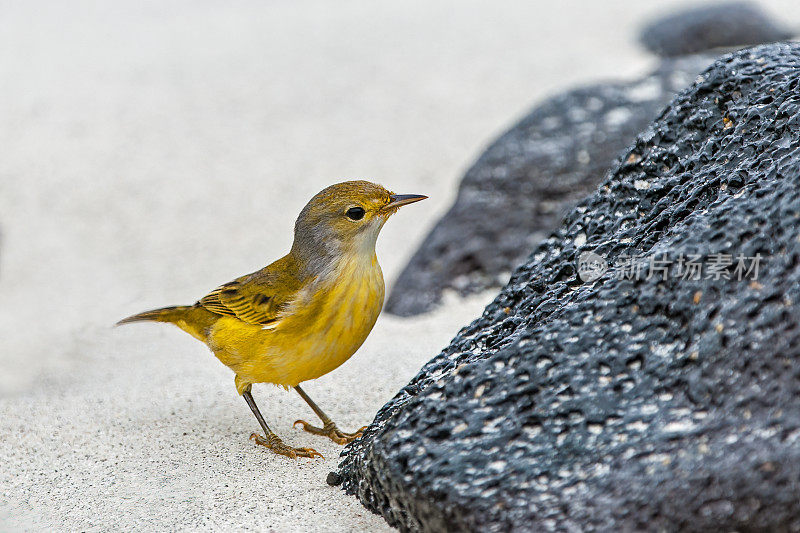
[399,200]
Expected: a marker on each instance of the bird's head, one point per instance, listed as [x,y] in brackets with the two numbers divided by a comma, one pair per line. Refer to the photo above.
[345,219]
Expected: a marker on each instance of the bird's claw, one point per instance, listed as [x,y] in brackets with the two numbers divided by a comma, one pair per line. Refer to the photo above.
[274,443]
[332,432]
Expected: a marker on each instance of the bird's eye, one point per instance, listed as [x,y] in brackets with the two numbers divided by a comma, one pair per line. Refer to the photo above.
[355,213]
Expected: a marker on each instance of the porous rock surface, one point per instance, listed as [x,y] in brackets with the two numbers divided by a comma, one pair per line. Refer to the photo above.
[726,24]
[628,404]
[527,180]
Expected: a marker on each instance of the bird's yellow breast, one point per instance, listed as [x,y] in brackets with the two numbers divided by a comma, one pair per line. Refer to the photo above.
[324,325]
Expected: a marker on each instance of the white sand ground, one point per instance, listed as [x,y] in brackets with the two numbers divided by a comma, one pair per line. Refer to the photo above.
[152,150]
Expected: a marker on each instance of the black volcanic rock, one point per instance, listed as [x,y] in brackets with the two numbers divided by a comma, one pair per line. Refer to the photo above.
[517,192]
[632,402]
[729,24]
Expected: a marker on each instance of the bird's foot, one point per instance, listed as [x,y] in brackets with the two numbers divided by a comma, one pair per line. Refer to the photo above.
[274,443]
[332,432]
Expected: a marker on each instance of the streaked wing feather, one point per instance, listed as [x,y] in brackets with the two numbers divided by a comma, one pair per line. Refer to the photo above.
[213,303]
[257,298]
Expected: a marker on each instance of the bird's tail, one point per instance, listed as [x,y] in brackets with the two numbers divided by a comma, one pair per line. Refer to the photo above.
[193,319]
[165,314]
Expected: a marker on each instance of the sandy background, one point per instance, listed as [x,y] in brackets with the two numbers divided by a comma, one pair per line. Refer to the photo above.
[153,150]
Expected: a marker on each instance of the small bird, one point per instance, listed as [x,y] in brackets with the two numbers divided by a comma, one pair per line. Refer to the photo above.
[305,314]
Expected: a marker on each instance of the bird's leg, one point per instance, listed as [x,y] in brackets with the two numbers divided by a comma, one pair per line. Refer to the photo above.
[272,441]
[328,428]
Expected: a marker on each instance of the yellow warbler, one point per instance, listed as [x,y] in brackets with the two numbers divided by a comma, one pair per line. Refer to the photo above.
[305,314]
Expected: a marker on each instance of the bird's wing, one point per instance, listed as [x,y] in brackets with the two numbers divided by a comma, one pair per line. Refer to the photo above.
[256,298]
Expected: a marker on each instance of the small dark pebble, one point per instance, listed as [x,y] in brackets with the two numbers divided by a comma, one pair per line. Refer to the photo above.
[333,479]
